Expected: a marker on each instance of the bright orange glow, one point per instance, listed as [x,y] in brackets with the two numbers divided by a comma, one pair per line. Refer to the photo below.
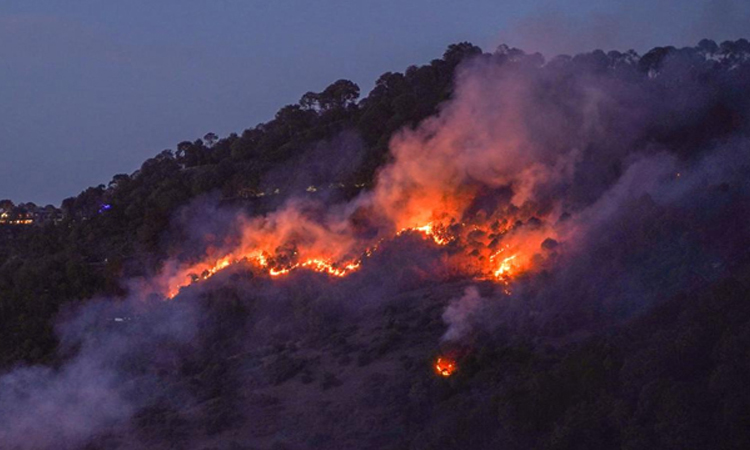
[474,241]
[261,261]
[431,231]
[469,191]
[505,266]
[445,366]
[470,179]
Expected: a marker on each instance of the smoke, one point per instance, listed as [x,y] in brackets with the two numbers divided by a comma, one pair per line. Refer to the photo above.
[112,348]
[523,172]
[579,189]
[44,409]
[462,314]
[483,140]
[321,169]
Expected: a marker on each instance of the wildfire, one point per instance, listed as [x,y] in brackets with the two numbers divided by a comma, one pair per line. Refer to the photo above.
[445,366]
[317,265]
[506,266]
[262,261]
[474,256]
[433,232]
[463,180]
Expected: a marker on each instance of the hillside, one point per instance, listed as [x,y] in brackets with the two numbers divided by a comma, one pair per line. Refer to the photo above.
[569,232]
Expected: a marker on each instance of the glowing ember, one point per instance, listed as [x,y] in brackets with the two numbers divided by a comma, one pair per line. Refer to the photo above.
[445,366]
[430,230]
[277,272]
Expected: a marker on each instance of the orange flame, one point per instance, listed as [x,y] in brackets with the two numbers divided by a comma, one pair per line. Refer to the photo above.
[431,231]
[436,185]
[475,257]
[445,366]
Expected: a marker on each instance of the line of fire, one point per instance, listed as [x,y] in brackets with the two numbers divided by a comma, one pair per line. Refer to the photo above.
[490,249]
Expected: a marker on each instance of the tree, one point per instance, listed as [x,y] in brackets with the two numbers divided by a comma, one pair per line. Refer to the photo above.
[118,180]
[654,59]
[310,101]
[192,154]
[340,94]
[210,139]
[708,46]
[458,52]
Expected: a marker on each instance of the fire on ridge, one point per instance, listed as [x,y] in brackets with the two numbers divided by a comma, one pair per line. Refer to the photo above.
[466,182]
[499,263]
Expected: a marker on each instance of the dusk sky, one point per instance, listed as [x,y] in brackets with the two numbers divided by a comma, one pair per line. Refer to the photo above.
[91,88]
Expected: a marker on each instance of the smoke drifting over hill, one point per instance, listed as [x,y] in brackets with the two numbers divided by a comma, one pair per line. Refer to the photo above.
[543,201]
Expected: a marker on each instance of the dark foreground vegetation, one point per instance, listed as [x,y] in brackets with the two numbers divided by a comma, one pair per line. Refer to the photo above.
[671,376]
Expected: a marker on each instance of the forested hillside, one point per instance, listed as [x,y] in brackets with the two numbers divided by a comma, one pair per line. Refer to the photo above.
[642,342]
[92,251]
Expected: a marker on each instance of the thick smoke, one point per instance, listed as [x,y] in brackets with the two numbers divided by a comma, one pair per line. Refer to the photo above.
[113,348]
[575,188]
[528,169]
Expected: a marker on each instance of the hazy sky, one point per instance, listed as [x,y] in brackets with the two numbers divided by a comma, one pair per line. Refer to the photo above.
[91,88]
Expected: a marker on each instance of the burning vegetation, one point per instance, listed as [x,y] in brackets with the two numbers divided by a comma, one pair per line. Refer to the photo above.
[493,229]
[519,228]
[475,249]
[445,366]
[471,180]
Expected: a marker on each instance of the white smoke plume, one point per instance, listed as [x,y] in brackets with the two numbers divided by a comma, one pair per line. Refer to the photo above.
[462,314]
